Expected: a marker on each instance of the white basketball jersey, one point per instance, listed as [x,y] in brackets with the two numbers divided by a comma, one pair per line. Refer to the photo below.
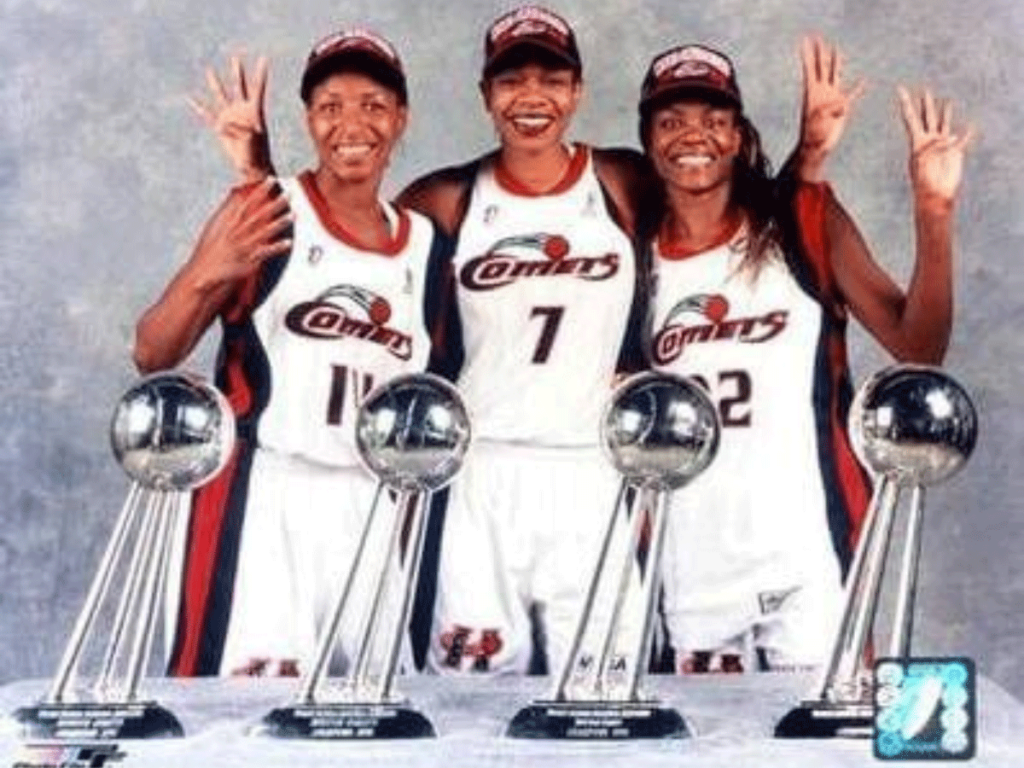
[338,320]
[545,287]
[756,519]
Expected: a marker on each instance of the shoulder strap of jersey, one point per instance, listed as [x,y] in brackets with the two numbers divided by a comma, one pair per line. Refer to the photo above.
[465,176]
[443,195]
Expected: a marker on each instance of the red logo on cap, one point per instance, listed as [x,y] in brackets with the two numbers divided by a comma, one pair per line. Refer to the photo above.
[691,69]
[355,38]
[529,20]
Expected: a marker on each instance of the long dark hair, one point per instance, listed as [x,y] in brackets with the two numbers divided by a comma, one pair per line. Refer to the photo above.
[753,189]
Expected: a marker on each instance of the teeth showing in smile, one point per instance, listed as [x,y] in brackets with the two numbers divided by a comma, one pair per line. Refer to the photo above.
[531,122]
[352,151]
[692,161]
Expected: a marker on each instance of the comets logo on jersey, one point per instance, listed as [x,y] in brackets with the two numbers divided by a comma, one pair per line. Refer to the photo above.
[708,316]
[515,258]
[349,311]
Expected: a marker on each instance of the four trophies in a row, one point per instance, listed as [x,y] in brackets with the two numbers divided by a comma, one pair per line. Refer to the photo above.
[911,426]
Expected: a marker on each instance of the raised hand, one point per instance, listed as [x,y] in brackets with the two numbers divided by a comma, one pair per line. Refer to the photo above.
[827,101]
[936,152]
[234,112]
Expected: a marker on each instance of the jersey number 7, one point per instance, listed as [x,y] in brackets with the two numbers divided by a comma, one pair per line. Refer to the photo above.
[549,329]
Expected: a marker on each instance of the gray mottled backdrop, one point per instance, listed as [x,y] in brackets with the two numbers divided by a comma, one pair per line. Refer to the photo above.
[105,176]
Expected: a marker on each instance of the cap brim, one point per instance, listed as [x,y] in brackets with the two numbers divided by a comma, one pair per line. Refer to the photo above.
[699,90]
[353,60]
[523,48]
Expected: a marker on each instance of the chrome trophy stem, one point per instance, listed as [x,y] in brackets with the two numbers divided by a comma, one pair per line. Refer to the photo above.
[906,595]
[588,603]
[129,598]
[656,499]
[372,621]
[851,669]
[311,682]
[419,509]
[156,563]
[852,594]
[602,685]
[95,597]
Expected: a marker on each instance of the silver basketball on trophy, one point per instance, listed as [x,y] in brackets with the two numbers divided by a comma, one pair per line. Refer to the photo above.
[172,431]
[659,429]
[913,423]
[413,431]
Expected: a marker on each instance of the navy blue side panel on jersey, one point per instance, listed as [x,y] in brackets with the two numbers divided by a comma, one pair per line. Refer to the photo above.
[441,310]
[846,485]
[632,358]
[217,516]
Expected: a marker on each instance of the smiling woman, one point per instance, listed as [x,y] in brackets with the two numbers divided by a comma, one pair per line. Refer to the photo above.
[753,291]
[321,290]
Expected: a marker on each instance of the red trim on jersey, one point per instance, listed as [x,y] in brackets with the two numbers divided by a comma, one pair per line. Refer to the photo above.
[393,247]
[673,250]
[577,164]
[810,205]
[209,507]
[809,202]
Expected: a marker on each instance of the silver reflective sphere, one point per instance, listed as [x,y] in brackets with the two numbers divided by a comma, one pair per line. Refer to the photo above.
[913,423]
[660,430]
[172,431]
[413,432]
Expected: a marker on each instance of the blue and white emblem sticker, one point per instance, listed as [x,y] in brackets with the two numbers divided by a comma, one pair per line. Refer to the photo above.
[925,709]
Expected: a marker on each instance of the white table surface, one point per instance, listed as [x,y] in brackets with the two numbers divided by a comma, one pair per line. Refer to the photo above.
[732,718]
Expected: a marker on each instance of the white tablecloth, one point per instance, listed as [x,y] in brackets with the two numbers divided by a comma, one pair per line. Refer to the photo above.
[732,718]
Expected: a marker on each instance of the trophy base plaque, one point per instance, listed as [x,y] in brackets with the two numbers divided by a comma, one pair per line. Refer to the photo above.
[826,720]
[597,721]
[341,721]
[94,721]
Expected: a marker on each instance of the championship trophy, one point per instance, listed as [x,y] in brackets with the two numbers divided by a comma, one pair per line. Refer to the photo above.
[412,433]
[660,432]
[171,432]
[911,426]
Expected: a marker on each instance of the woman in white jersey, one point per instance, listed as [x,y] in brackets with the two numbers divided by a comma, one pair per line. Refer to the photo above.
[751,294]
[546,290]
[321,290]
